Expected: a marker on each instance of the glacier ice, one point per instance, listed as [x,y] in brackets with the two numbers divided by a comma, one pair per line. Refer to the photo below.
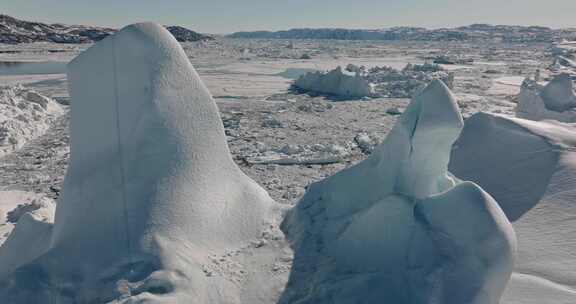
[556,100]
[529,167]
[397,227]
[151,190]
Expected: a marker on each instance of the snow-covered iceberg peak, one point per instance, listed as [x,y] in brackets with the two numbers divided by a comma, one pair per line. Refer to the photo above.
[151,190]
[397,228]
[141,109]
[422,140]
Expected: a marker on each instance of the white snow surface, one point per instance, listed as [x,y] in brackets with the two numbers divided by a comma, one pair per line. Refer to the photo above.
[24,115]
[340,83]
[529,167]
[14,204]
[151,194]
[397,227]
[556,100]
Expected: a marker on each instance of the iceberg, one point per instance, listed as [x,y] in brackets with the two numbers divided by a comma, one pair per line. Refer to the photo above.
[529,167]
[397,227]
[339,83]
[151,191]
[556,100]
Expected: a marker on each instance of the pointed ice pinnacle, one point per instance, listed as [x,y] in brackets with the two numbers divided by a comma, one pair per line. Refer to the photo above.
[151,190]
[397,228]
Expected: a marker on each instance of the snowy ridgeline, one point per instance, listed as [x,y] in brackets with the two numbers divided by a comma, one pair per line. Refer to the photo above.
[155,210]
[24,115]
[357,82]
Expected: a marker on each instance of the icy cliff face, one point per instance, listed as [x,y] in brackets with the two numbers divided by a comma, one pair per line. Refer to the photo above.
[151,190]
[397,228]
[554,101]
[529,167]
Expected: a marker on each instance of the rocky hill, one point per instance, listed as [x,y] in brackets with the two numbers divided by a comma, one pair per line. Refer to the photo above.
[13,31]
[475,32]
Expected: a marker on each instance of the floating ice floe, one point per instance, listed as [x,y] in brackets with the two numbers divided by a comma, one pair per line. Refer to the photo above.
[24,115]
[338,82]
[151,193]
[357,81]
[556,100]
[529,167]
[397,227]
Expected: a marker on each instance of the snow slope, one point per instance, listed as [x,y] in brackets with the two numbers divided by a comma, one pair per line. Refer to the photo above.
[535,184]
[14,31]
[397,228]
[151,194]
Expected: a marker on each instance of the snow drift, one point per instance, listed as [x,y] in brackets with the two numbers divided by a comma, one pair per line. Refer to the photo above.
[15,204]
[529,167]
[554,101]
[342,84]
[24,115]
[397,228]
[151,190]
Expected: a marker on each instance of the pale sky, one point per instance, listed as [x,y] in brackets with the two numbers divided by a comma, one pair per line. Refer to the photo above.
[226,16]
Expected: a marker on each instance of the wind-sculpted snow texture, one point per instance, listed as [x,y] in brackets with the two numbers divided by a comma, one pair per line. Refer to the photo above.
[529,167]
[555,101]
[151,190]
[396,228]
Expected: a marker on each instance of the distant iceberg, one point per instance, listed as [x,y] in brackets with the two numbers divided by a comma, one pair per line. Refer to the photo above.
[397,227]
[338,82]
